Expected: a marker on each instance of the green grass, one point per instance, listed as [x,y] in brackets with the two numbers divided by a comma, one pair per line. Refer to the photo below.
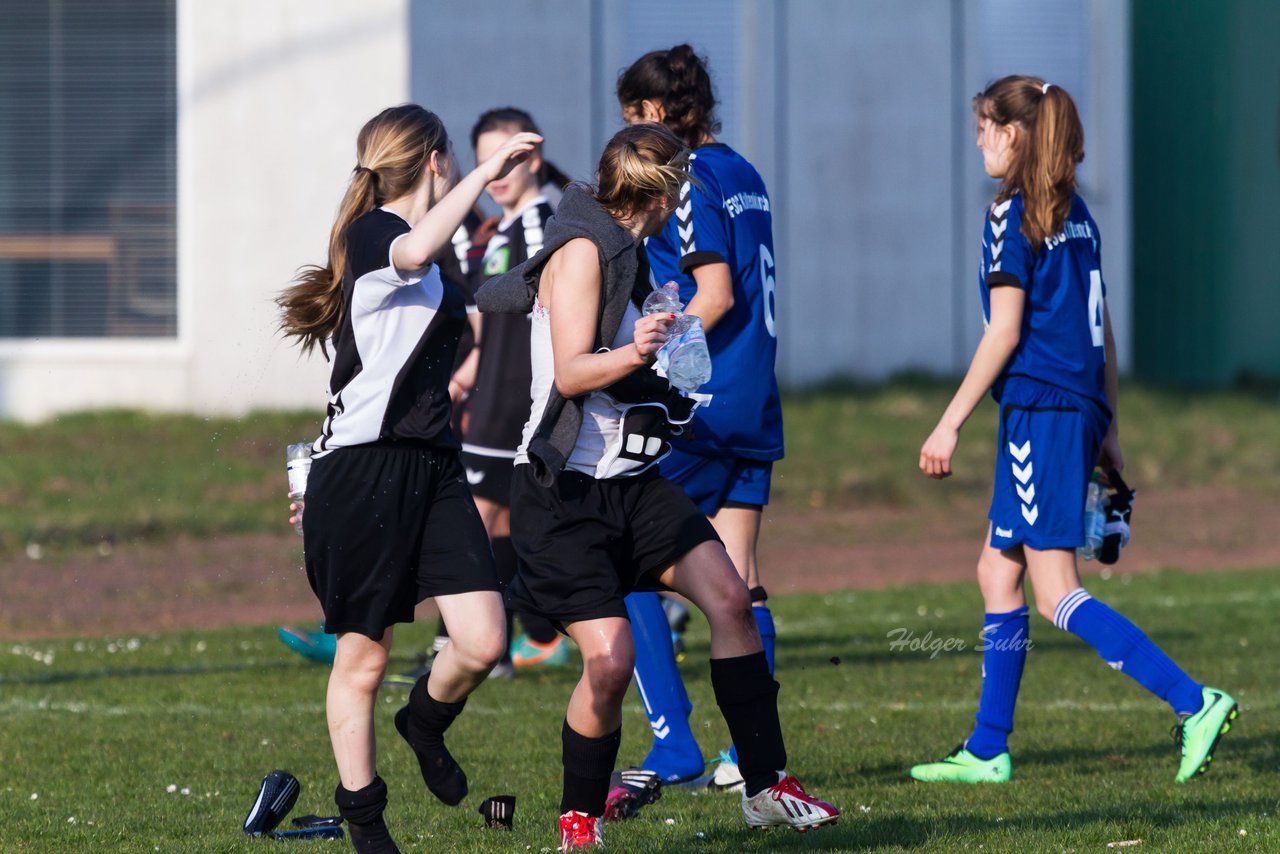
[84,479]
[95,730]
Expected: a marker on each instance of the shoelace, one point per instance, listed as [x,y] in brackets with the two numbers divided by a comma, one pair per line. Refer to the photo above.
[1177,731]
[724,757]
[788,786]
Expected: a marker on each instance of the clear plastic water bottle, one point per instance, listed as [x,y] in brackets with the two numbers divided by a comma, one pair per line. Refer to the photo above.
[298,463]
[1095,519]
[684,357]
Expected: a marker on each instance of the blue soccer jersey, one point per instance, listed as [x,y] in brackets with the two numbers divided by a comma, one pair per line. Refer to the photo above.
[725,217]
[1062,323]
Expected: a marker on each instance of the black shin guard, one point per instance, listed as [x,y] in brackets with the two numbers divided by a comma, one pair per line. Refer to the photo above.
[588,762]
[362,810]
[422,723]
[748,699]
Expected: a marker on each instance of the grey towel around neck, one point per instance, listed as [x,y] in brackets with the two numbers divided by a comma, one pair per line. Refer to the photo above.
[624,280]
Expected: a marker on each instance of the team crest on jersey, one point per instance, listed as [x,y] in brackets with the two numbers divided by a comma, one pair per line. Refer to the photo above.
[498,261]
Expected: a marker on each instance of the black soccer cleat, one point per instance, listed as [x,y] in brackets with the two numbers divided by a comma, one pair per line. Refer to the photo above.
[278,794]
[629,790]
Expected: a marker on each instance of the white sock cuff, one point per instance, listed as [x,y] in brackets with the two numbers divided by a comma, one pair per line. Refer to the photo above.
[1068,605]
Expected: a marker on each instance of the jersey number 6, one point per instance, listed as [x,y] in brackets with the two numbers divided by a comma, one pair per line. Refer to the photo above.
[770,286]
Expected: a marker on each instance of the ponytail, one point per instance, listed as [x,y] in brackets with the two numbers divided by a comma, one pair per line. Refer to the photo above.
[678,80]
[392,151]
[1044,162]
[642,164]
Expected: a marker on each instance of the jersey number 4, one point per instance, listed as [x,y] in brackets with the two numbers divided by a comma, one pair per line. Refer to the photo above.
[1096,307]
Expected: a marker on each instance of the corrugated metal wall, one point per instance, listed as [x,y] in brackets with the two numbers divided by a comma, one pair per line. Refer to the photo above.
[856,112]
[1206,154]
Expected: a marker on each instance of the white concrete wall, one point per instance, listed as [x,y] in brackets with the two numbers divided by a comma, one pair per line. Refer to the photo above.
[271,96]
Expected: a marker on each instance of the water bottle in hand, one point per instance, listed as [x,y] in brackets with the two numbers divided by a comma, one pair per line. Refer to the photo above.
[298,462]
[1095,519]
[684,357]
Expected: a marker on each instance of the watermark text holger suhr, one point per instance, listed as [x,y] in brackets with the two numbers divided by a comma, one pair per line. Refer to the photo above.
[905,640]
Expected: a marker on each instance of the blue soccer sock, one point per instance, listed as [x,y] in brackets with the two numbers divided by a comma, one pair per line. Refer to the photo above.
[675,754]
[1123,646]
[1004,653]
[764,622]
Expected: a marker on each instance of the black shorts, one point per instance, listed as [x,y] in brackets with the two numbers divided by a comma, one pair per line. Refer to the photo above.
[489,477]
[386,527]
[584,544]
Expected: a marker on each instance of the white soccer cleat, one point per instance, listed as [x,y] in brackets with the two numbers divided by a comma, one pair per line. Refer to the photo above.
[727,776]
[787,804]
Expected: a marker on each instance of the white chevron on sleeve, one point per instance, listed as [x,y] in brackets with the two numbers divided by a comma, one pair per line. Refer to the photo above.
[684,211]
[1000,209]
[997,228]
[686,233]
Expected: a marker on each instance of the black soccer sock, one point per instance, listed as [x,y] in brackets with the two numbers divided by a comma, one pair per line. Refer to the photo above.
[422,723]
[538,628]
[362,810]
[588,762]
[748,699]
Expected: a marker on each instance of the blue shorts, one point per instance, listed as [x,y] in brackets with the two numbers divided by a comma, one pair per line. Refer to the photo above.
[713,482]
[1047,446]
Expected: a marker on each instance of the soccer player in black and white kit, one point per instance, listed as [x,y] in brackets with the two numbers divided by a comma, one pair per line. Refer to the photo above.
[389,520]
[498,400]
[591,518]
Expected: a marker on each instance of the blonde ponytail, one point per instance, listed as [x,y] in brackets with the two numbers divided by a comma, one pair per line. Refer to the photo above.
[643,163]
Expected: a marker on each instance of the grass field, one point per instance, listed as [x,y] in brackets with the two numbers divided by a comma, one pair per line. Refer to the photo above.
[96,734]
[98,479]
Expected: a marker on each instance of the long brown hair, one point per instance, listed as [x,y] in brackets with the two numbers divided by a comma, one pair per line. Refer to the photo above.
[643,163]
[1043,168]
[392,153]
[678,80]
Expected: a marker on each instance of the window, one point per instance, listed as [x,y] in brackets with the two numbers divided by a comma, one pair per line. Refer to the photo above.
[88,169]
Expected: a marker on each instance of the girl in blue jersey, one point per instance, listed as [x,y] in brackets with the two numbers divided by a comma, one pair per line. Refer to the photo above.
[718,247]
[389,520]
[1048,357]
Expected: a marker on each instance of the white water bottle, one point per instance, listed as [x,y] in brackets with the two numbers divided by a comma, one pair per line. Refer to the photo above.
[1095,519]
[684,357]
[298,463]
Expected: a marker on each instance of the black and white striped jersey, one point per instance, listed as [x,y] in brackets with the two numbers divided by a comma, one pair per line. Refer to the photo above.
[499,404]
[393,352]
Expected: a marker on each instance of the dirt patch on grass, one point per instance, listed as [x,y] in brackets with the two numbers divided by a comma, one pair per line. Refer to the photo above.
[255,580]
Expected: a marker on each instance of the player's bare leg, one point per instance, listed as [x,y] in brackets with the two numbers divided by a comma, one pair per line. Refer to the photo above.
[477,640]
[358,667]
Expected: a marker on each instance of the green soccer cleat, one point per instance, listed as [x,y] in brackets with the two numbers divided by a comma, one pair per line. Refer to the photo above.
[1198,734]
[961,766]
